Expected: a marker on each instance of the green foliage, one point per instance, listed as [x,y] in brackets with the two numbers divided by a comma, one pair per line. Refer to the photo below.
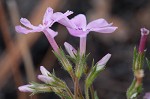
[93,73]
[136,87]
[134,90]
[80,65]
[63,60]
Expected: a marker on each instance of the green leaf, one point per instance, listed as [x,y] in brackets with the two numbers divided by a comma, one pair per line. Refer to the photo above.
[134,56]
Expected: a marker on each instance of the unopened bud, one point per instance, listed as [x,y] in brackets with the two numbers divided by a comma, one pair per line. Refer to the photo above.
[26,88]
[102,62]
[144,35]
[70,49]
[44,71]
[45,79]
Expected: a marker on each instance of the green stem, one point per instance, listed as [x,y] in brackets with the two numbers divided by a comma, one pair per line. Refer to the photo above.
[79,91]
[92,91]
[86,92]
[72,75]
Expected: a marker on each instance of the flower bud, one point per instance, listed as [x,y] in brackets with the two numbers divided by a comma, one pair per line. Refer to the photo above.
[144,35]
[44,71]
[46,79]
[70,49]
[26,88]
[102,62]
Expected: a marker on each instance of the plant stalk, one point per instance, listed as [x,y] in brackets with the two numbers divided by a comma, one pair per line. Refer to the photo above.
[92,91]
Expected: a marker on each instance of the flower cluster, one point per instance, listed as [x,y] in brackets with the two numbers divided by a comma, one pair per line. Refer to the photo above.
[77,27]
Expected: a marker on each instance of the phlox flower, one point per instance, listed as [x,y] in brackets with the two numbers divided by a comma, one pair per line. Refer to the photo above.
[48,20]
[78,27]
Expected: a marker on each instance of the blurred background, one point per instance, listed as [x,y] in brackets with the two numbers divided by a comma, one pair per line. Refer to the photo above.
[21,55]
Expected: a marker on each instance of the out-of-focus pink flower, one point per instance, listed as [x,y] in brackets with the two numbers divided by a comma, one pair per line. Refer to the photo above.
[147,95]
[70,49]
[144,35]
[78,27]
[101,63]
[48,20]
[26,88]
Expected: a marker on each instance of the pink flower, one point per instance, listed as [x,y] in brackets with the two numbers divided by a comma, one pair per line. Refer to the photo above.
[144,35]
[48,20]
[81,28]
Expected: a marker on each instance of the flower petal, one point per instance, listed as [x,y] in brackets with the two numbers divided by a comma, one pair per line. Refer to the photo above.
[63,19]
[108,29]
[98,24]
[27,23]
[58,15]
[77,33]
[44,71]
[102,62]
[47,16]
[70,49]
[23,30]
[79,21]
